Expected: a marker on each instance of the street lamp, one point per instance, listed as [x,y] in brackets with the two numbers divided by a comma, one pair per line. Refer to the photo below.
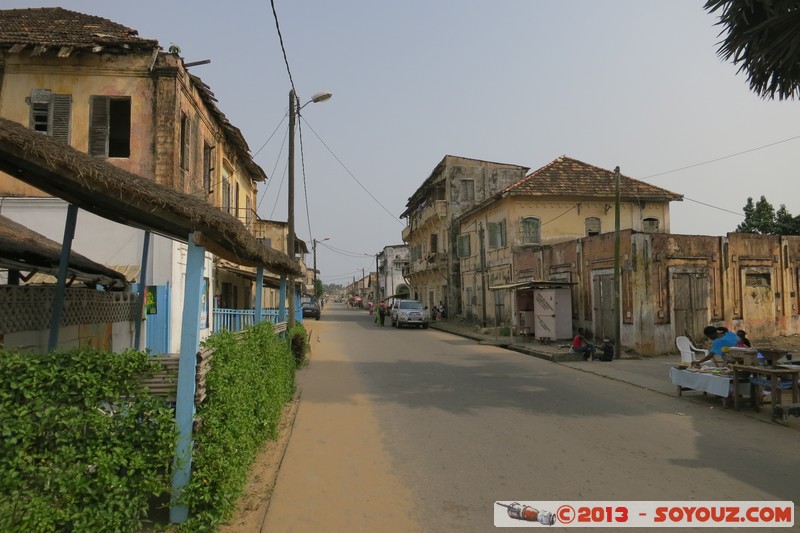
[314,247]
[294,111]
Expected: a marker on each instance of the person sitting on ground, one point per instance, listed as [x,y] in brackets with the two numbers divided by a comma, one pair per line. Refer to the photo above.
[581,345]
[607,350]
[721,339]
[744,342]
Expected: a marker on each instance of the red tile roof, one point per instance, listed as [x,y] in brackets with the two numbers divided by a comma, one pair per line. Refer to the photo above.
[569,177]
[58,27]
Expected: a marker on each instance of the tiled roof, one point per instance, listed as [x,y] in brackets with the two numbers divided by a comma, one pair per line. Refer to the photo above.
[569,177]
[57,27]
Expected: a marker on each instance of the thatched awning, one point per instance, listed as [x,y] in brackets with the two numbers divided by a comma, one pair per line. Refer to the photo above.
[23,249]
[101,188]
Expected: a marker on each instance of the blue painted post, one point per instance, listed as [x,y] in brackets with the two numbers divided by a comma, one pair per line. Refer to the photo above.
[187,369]
[61,284]
[142,289]
[282,306]
[259,293]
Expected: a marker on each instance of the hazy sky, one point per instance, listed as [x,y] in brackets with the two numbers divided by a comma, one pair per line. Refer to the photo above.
[635,84]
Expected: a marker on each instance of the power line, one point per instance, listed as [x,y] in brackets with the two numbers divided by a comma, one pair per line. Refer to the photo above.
[283,48]
[348,171]
[721,158]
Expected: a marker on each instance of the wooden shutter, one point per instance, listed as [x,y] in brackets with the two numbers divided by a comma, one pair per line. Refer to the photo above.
[98,125]
[62,108]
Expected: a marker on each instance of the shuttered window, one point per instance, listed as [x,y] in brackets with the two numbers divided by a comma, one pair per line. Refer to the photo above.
[531,230]
[51,114]
[650,225]
[463,246]
[110,126]
[184,141]
[497,234]
[592,226]
[208,167]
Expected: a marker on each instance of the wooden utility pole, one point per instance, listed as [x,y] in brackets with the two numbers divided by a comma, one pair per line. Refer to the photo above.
[617,307]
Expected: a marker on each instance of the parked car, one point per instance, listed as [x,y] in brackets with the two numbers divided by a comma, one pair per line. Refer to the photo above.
[311,309]
[409,313]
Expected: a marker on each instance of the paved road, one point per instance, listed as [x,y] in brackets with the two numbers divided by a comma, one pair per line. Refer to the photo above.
[404,430]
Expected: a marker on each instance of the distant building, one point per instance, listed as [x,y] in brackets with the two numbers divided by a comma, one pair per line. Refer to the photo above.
[456,185]
[562,201]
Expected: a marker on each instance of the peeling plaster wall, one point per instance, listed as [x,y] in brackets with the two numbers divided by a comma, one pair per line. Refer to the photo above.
[739,281]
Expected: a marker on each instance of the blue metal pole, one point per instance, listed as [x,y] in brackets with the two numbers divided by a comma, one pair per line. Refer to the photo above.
[61,285]
[282,306]
[259,293]
[187,368]
[142,290]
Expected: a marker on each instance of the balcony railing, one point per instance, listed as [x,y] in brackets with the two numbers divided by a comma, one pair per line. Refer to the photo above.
[433,261]
[437,210]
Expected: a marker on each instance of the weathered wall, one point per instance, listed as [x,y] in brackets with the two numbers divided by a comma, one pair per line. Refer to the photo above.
[676,284]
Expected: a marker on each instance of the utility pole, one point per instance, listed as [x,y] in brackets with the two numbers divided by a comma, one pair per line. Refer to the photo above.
[290,214]
[377,282]
[483,274]
[617,307]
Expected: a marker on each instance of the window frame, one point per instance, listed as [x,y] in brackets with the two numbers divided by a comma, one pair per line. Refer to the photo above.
[56,112]
[530,230]
[104,122]
[497,234]
[650,225]
[596,222]
[464,245]
[467,190]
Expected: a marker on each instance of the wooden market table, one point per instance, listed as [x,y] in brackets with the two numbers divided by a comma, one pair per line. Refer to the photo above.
[774,376]
[706,382]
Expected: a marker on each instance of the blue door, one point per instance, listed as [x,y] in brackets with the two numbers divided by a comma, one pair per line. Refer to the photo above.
[157,326]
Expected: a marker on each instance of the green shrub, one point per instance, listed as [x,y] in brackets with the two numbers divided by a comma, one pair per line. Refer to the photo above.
[298,339]
[83,446]
[250,380]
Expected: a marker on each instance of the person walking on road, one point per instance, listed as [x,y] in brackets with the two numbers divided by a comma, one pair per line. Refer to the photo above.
[382,312]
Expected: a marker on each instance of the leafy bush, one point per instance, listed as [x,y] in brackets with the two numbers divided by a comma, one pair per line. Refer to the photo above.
[298,340]
[83,446]
[250,380]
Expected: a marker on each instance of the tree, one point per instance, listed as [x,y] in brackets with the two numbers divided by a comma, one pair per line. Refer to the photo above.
[319,290]
[763,38]
[762,218]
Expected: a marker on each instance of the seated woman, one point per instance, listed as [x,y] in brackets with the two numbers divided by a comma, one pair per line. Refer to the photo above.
[721,338]
[580,344]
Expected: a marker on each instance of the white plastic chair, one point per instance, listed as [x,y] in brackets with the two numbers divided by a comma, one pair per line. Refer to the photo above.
[688,350]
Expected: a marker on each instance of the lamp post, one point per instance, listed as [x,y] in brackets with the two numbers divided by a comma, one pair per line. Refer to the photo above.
[294,111]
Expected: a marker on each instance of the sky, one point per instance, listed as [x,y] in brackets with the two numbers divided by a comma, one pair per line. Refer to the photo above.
[624,83]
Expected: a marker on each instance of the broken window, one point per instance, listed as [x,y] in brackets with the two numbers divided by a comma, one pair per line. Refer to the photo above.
[650,225]
[184,141]
[50,113]
[592,226]
[110,126]
[208,167]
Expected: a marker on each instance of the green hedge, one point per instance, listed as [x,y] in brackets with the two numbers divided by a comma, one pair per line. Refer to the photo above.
[251,379]
[83,447]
